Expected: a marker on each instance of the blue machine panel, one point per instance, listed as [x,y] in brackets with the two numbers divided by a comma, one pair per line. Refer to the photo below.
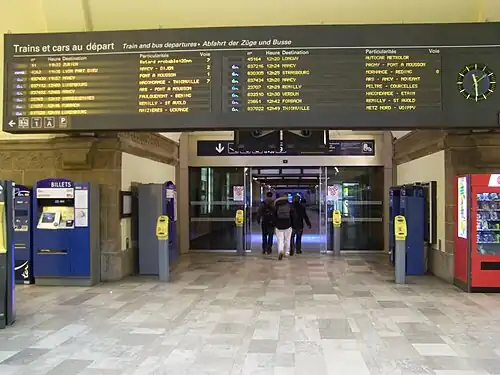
[62,231]
[23,235]
[413,208]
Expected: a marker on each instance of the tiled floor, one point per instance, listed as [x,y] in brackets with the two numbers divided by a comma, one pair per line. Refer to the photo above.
[230,316]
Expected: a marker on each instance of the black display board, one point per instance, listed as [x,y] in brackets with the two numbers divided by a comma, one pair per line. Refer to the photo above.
[306,141]
[276,141]
[346,147]
[263,140]
[303,77]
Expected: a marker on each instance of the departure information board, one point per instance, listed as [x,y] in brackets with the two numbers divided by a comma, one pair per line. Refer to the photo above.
[285,77]
[48,91]
[305,80]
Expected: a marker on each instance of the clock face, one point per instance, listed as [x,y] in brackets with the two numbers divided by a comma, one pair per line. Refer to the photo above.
[476,82]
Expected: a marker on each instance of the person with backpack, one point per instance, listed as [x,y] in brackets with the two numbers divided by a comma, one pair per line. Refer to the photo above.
[265,217]
[283,224]
[299,215]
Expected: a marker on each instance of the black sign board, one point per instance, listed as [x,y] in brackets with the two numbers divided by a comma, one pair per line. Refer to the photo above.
[303,77]
[264,140]
[335,148]
[305,141]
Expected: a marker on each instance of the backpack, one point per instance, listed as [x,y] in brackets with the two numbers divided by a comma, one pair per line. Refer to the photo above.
[267,213]
[283,211]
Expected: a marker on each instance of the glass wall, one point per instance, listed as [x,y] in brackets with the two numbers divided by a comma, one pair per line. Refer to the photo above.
[358,193]
[214,196]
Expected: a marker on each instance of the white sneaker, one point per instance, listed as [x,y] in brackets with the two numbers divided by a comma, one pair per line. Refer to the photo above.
[287,254]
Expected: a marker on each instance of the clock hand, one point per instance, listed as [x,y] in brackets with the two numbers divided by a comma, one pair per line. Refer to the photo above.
[476,86]
[480,79]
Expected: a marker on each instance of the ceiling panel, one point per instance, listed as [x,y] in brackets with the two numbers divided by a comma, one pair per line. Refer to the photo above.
[490,11]
[399,133]
[63,16]
[133,14]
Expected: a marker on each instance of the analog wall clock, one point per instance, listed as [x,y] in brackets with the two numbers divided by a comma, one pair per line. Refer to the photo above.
[476,82]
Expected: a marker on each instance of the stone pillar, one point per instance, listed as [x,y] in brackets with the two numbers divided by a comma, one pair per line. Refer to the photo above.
[79,159]
[465,153]
[96,159]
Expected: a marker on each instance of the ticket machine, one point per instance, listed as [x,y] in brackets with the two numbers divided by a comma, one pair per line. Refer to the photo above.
[7,283]
[23,235]
[66,243]
[412,206]
[155,200]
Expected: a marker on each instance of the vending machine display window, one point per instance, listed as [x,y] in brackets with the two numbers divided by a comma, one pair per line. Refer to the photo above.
[488,223]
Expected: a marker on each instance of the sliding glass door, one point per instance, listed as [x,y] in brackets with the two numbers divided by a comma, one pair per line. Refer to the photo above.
[358,193]
[214,196]
[217,193]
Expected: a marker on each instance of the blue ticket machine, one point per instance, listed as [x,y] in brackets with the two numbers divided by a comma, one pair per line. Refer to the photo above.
[66,243]
[412,202]
[155,200]
[394,210]
[7,283]
[23,235]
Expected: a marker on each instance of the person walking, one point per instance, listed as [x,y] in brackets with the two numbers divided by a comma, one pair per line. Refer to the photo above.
[265,217]
[299,215]
[283,224]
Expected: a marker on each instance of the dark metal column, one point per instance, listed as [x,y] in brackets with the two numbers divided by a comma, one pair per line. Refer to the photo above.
[7,273]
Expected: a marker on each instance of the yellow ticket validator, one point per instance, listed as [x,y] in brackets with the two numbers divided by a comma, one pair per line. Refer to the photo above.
[162,227]
[336,218]
[3,227]
[238,218]
[400,229]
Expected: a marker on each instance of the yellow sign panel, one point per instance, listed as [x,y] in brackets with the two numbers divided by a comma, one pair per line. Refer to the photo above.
[3,227]
[400,230]
[337,218]
[162,227]
[238,218]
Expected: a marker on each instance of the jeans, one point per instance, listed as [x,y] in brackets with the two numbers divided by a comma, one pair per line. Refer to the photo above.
[296,241]
[284,236]
[267,239]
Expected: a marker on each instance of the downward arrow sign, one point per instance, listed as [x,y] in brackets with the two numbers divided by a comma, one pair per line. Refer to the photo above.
[219,148]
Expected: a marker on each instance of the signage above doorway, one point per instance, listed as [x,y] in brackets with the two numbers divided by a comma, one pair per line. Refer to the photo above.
[337,147]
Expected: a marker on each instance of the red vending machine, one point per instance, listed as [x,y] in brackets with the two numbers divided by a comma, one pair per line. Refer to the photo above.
[477,232]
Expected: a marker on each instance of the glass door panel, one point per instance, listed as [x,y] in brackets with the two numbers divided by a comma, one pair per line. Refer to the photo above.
[323,209]
[215,194]
[357,192]
[248,209]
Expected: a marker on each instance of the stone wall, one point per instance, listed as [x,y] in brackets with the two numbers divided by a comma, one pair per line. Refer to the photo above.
[96,159]
[465,153]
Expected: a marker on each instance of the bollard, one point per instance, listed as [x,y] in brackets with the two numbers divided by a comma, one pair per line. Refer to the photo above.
[238,221]
[163,256]
[400,232]
[337,221]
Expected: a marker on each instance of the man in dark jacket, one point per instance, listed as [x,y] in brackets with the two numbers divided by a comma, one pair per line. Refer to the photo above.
[265,217]
[299,215]
[283,223]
